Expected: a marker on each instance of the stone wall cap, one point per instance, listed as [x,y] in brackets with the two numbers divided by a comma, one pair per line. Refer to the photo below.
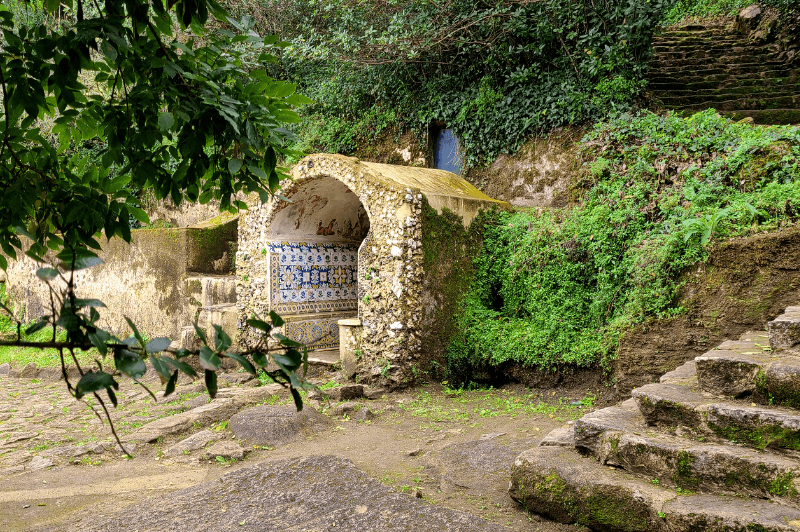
[350,322]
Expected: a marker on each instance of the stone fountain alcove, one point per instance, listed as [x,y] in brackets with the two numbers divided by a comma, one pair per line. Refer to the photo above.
[362,247]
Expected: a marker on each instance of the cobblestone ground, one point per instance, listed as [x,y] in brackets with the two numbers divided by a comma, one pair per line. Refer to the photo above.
[41,425]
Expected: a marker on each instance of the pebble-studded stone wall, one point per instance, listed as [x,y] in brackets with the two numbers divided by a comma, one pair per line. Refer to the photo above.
[390,258]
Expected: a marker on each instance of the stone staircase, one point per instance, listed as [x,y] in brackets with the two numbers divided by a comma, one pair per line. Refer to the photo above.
[711,65]
[714,446]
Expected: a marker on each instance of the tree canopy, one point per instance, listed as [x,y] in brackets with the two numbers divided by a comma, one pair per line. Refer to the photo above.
[170,96]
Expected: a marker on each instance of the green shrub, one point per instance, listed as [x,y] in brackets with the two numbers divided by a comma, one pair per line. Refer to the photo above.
[558,288]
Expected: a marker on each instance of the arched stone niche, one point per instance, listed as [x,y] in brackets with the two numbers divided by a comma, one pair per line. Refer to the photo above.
[363,223]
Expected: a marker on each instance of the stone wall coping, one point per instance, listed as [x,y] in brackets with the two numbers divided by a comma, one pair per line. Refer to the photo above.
[350,322]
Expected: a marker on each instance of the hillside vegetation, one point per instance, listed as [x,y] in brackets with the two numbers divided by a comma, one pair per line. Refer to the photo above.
[556,288]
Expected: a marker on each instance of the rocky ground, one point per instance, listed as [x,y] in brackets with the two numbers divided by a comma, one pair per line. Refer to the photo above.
[429,456]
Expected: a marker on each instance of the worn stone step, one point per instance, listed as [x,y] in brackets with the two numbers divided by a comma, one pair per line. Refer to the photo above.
[569,488]
[618,436]
[746,369]
[679,54]
[766,116]
[732,103]
[741,61]
[715,68]
[680,86]
[784,331]
[209,290]
[765,90]
[684,408]
[717,75]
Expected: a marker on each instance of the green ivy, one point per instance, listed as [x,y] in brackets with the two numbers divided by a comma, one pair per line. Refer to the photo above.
[557,288]
[495,72]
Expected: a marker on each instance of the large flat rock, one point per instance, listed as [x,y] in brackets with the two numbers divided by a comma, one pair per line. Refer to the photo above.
[314,494]
[276,425]
[569,488]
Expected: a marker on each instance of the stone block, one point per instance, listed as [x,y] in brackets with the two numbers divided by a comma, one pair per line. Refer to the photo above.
[346,392]
[784,331]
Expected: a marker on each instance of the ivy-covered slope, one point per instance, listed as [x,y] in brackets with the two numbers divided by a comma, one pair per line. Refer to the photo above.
[657,192]
[495,72]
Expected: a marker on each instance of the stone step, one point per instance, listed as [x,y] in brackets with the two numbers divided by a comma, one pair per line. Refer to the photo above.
[717,75]
[732,103]
[725,62]
[765,89]
[733,85]
[784,331]
[685,408]
[737,370]
[209,290]
[618,436]
[717,53]
[766,116]
[710,68]
[569,488]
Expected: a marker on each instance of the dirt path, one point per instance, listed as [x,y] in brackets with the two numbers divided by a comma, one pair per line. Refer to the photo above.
[454,449]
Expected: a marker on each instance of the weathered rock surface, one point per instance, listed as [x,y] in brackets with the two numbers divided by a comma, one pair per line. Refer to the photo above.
[740,369]
[276,425]
[317,493]
[193,442]
[570,488]
[684,434]
[215,411]
[227,450]
[346,392]
[470,465]
[784,331]
[618,437]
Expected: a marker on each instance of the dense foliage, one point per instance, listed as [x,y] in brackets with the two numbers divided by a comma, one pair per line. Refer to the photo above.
[165,105]
[495,72]
[657,191]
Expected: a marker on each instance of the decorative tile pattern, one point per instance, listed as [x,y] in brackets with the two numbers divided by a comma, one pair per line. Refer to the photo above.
[324,332]
[308,277]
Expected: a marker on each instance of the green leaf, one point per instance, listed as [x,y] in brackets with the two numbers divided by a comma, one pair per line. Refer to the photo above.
[221,339]
[161,367]
[80,303]
[292,359]
[200,334]
[47,274]
[156,345]
[182,366]
[260,325]
[277,321]
[99,339]
[36,327]
[260,359]
[248,367]
[171,384]
[209,359]
[166,121]
[298,401]
[211,383]
[287,341]
[112,396]
[129,363]
[270,160]
[136,333]
[94,381]
[234,165]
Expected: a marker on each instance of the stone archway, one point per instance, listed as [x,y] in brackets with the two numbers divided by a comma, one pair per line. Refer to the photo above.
[312,245]
[407,228]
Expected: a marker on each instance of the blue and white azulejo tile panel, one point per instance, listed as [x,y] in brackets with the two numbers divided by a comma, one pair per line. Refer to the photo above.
[308,277]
